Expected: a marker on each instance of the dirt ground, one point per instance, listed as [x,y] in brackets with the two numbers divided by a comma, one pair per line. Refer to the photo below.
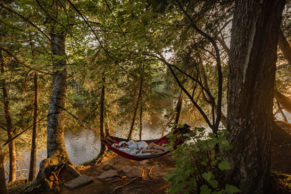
[134,177]
[123,176]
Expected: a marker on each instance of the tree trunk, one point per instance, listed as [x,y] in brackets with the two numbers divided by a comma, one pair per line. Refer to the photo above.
[250,92]
[33,153]
[284,47]
[9,127]
[140,111]
[55,128]
[32,167]
[102,108]
[57,157]
[135,110]
[3,188]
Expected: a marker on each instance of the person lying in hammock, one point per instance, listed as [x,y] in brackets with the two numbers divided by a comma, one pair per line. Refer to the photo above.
[155,149]
[139,148]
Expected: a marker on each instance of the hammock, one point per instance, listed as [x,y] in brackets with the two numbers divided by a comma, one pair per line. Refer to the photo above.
[109,140]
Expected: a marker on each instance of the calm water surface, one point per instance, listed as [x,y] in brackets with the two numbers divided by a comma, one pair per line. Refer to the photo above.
[81,147]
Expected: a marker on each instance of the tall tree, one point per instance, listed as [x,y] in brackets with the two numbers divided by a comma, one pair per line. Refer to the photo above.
[102,109]
[32,167]
[33,153]
[9,126]
[55,120]
[251,90]
[56,149]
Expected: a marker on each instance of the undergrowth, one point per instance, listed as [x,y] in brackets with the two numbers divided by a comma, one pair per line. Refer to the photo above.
[199,168]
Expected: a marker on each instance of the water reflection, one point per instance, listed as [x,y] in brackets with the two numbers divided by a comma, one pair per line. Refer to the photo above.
[82,147]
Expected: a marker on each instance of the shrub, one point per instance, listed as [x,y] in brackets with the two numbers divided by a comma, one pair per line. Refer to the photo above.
[200,165]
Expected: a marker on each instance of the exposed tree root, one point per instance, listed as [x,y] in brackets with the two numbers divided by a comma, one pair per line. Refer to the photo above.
[52,175]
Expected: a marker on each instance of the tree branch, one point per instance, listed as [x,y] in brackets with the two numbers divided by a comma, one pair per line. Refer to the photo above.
[218,63]
[22,63]
[186,92]
[25,19]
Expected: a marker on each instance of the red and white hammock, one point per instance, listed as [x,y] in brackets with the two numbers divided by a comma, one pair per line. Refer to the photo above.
[179,132]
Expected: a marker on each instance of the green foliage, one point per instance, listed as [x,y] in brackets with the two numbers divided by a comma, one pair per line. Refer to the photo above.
[199,168]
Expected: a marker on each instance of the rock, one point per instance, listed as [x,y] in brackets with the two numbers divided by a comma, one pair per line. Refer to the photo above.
[108,174]
[107,167]
[130,171]
[78,182]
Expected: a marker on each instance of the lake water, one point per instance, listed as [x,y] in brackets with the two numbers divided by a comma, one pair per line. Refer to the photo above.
[81,147]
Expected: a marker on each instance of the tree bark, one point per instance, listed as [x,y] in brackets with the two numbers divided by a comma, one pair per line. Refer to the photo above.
[250,92]
[55,128]
[284,47]
[9,126]
[33,154]
[3,188]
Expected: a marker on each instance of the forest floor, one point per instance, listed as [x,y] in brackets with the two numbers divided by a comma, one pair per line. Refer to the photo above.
[123,176]
[127,176]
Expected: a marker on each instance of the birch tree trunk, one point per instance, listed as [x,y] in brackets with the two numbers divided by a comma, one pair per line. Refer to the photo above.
[251,90]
